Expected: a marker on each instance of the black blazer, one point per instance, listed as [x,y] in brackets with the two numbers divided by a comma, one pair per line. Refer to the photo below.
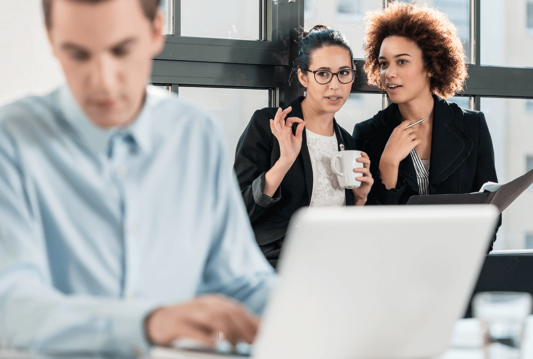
[462,156]
[257,152]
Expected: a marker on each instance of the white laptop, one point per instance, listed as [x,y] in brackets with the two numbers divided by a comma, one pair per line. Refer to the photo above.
[374,282]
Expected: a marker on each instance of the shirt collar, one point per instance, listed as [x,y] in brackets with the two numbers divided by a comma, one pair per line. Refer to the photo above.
[98,138]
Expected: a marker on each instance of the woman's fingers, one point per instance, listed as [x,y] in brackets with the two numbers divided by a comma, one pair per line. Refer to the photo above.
[280,115]
[292,120]
[300,130]
[364,170]
[365,179]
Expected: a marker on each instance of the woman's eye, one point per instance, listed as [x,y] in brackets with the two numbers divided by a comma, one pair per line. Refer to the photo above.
[402,62]
[382,64]
[322,74]
[344,73]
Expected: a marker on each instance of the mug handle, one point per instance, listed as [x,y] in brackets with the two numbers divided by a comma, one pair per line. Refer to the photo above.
[334,167]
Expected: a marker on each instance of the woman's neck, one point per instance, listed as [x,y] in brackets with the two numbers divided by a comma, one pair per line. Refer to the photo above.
[315,121]
[417,109]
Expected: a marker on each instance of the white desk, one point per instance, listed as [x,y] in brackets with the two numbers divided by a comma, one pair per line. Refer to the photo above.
[465,344]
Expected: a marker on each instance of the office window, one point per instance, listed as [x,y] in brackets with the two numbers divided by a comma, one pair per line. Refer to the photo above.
[528,241]
[458,11]
[507,33]
[308,9]
[529,163]
[463,102]
[529,106]
[349,10]
[513,150]
[233,107]
[343,15]
[529,14]
[359,107]
[229,19]
[167,8]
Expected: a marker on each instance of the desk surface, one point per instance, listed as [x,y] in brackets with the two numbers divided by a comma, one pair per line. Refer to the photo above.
[465,344]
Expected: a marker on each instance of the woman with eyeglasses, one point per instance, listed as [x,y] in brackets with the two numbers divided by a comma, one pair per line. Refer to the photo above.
[283,158]
[421,144]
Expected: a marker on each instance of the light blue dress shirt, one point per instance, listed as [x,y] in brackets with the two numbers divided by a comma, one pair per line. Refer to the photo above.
[99,227]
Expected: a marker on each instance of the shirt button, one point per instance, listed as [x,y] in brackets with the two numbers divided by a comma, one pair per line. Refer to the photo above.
[132,229]
[122,170]
[131,298]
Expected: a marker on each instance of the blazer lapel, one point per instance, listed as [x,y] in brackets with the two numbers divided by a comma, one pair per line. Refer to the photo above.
[304,151]
[450,145]
[308,168]
[340,140]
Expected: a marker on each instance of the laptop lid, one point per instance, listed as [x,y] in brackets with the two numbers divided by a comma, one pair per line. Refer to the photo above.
[374,282]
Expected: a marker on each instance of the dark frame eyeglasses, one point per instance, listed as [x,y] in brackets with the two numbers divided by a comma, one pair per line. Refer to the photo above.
[331,74]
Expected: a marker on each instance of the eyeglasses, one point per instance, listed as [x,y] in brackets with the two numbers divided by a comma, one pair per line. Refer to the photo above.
[324,77]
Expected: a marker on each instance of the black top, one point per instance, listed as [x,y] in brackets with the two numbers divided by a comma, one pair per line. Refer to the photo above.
[462,156]
[257,152]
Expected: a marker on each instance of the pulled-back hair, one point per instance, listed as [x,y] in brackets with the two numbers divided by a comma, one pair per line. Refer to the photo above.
[149,8]
[319,36]
[433,33]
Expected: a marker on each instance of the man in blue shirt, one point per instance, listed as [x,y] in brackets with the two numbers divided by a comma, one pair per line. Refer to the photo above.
[119,213]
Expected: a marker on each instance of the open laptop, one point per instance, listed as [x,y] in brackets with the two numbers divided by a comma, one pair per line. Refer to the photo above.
[385,282]
[374,282]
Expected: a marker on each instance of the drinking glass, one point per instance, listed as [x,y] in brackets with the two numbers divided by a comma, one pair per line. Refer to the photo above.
[502,317]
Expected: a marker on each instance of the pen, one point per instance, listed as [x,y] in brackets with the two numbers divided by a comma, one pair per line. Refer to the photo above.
[416,123]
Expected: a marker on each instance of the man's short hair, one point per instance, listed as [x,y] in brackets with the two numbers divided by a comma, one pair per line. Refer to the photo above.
[149,8]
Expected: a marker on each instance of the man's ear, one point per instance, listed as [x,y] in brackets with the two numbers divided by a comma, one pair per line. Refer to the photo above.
[302,78]
[158,38]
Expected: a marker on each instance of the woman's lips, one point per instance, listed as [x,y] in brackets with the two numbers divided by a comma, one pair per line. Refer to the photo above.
[333,99]
[393,89]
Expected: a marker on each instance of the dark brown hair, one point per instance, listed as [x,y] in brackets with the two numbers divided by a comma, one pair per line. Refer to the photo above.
[149,8]
[316,38]
[433,33]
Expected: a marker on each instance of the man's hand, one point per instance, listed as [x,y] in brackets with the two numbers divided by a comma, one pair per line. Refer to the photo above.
[201,319]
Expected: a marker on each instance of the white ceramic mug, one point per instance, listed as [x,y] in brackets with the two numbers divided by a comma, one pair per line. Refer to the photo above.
[342,164]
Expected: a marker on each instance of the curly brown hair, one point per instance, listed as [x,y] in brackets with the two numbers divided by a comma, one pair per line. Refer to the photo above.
[434,34]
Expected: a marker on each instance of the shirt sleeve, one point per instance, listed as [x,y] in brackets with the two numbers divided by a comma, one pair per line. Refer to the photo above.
[252,161]
[33,314]
[235,266]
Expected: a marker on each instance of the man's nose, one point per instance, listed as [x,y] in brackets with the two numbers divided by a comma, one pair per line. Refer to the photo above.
[104,73]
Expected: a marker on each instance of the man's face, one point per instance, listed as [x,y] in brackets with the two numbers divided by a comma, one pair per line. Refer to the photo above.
[106,52]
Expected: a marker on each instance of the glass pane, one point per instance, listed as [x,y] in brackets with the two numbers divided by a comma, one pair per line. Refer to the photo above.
[511,125]
[459,12]
[230,19]
[167,8]
[346,16]
[233,107]
[463,102]
[507,33]
[359,107]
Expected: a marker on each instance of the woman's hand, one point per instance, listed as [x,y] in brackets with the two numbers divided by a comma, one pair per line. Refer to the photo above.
[401,142]
[361,193]
[289,144]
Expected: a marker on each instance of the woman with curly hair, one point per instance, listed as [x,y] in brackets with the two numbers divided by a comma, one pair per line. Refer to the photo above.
[413,53]
[283,158]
